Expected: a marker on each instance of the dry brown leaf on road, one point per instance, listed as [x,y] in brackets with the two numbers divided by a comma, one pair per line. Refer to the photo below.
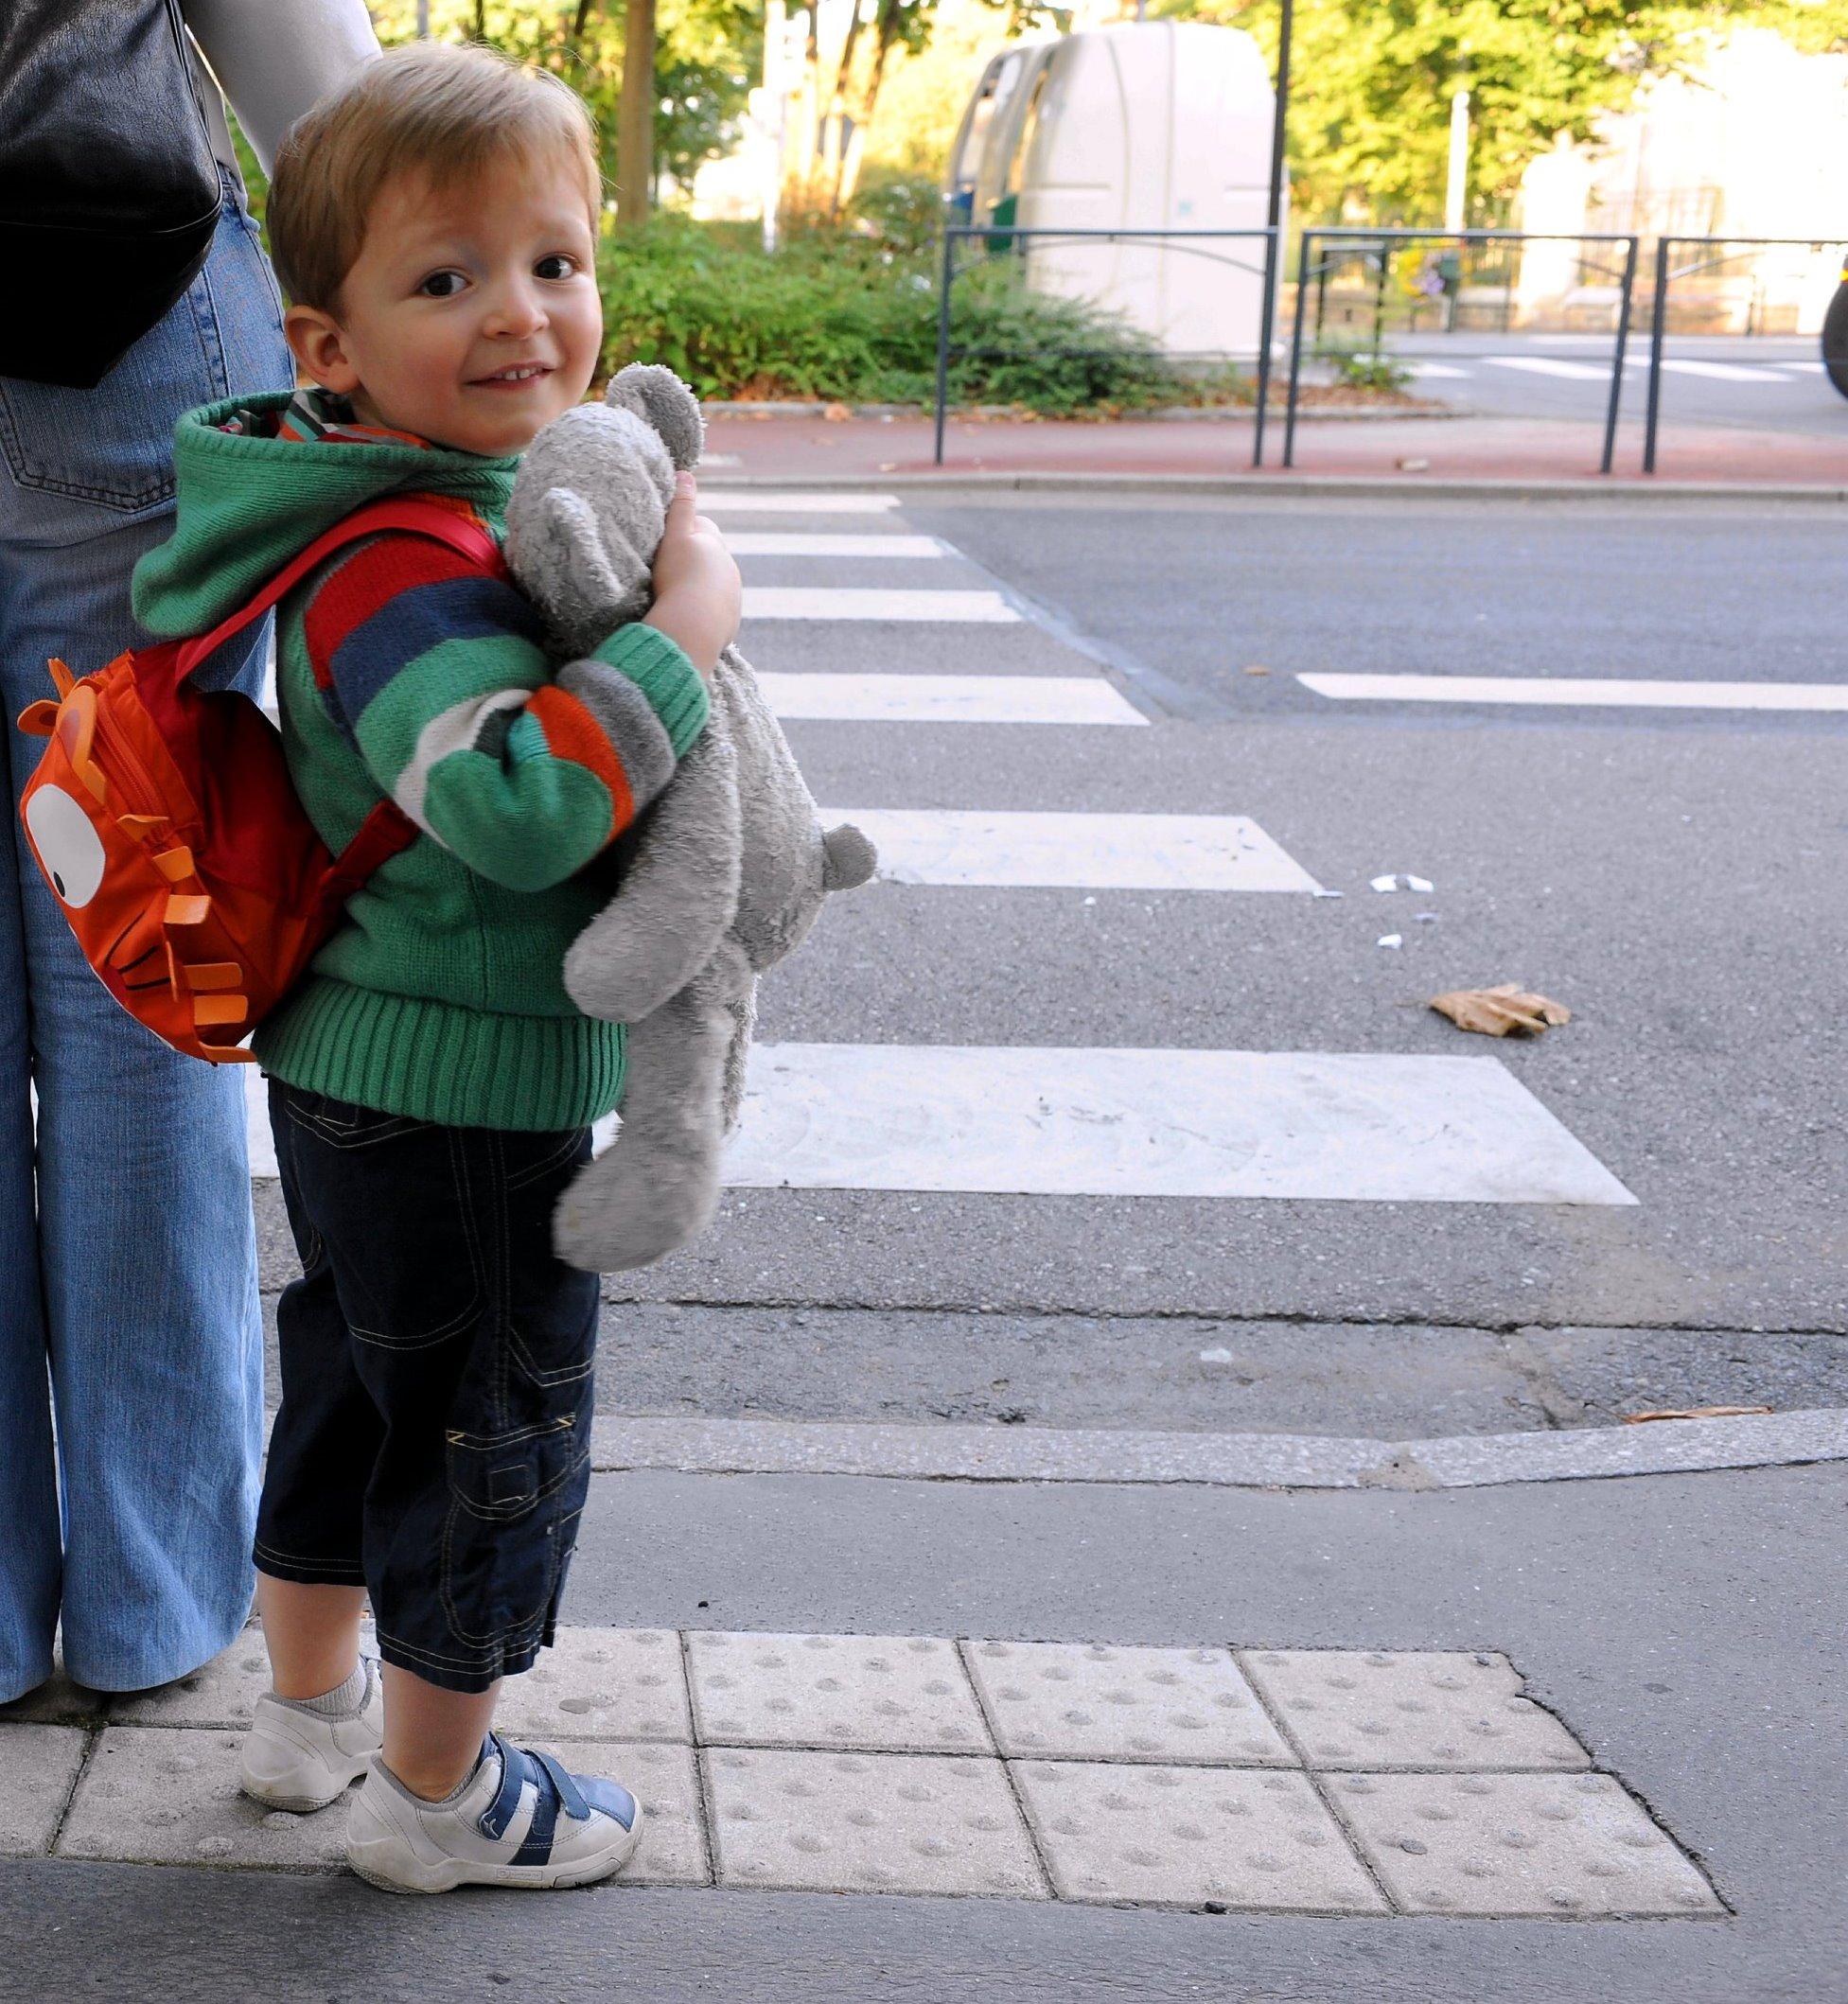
[1636,1419]
[1504,1012]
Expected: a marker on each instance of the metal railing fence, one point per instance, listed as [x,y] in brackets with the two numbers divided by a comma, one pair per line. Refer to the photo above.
[1012,234]
[1667,273]
[1374,246]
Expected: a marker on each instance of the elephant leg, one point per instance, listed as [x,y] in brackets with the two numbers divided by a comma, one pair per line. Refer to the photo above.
[656,1186]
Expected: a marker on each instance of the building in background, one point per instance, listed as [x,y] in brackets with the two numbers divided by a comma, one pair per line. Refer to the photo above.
[1754,142]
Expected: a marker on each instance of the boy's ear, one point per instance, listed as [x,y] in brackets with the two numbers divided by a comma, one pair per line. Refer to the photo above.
[320,348]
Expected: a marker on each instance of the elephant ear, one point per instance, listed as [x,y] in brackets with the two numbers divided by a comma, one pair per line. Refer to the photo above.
[659,398]
[564,565]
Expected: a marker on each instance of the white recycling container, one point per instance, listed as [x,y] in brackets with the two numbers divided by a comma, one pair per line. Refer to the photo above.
[1145,124]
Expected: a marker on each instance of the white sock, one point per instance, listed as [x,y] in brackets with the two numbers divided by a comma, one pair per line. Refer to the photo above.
[345,1700]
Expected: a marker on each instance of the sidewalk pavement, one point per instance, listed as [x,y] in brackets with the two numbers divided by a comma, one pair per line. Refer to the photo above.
[1519,450]
[1272,1781]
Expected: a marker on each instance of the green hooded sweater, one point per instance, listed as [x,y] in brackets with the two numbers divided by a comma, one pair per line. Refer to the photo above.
[406,672]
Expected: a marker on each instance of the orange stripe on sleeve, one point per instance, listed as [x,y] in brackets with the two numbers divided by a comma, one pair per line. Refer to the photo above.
[572,733]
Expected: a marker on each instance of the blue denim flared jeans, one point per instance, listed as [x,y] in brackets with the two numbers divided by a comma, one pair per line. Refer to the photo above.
[131,1341]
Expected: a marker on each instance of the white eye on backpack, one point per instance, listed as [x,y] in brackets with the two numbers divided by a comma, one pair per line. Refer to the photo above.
[70,850]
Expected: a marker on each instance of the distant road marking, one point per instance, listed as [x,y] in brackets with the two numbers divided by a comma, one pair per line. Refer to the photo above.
[1550,366]
[950,698]
[1564,691]
[764,501]
[875,605]
[1090,852]
[1810,368]
[771,542]
[1156,1123]
[1722,371]
[1438,372]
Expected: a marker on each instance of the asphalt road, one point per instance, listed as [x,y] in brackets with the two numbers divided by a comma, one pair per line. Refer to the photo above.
[1673,877]
[1767,383]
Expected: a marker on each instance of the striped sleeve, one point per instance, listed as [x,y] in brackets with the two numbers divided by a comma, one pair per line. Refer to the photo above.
[432,669]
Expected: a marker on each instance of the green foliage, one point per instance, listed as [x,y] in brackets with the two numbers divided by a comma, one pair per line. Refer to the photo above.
[1355,367]
[840,318]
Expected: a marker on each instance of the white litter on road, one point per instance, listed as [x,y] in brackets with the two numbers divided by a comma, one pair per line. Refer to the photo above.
[1110,852]
[1026,1120]
[950,698]
[876,604]
[1565,691]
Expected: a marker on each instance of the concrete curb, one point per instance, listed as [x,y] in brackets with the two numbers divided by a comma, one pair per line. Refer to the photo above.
[1365,485]
[1240,1461]
[1168,414]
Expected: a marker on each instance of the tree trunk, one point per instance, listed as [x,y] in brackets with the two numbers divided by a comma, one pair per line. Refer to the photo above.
[864,105]
[635,115]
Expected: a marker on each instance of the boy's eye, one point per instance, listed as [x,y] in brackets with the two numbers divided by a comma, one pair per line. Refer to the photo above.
[442,285]
[557,266]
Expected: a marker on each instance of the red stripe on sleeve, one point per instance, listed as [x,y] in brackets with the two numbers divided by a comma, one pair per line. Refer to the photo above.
[572,733]
[372,576]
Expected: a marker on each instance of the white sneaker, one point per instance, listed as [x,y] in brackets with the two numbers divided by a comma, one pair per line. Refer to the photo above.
[520,1820]
[294,1759]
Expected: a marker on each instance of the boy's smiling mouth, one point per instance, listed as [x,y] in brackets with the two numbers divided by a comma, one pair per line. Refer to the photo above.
[512,376]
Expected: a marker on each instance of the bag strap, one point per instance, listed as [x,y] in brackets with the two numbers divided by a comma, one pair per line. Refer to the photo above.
[417,514]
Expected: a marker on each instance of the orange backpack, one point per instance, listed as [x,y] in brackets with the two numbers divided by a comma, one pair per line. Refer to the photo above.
[166,824]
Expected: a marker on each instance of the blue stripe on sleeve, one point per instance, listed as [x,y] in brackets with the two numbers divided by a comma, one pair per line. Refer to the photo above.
[410,625]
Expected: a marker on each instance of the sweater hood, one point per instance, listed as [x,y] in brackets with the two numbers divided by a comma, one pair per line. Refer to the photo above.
[246,504]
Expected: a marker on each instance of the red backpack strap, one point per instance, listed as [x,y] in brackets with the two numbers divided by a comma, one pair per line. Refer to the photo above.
[417,514]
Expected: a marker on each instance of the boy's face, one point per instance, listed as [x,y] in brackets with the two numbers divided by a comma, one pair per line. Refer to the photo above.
[471,316]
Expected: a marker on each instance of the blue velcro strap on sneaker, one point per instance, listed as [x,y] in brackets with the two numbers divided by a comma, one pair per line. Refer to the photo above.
[564,1784]
[515,1773]
[612,1798]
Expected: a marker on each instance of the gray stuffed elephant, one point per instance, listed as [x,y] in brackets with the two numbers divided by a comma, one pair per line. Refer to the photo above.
[730,864]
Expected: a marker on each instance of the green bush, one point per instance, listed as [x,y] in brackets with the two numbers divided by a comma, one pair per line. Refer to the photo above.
[843,317]
[1360,368]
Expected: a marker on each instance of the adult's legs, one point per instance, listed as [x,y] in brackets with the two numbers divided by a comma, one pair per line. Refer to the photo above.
[147,1308]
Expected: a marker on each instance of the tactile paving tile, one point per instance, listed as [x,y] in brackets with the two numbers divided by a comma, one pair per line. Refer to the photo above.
[903,1693]
[663,1780]
[1183,1837]
[168,1795]
[221,1693]
[38,1764]
[1567,1844]
[1423,1708]
[602,1683]
[869,1822]
[1100,1701]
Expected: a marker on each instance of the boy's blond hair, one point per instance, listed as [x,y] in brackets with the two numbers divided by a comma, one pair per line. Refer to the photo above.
[437,108]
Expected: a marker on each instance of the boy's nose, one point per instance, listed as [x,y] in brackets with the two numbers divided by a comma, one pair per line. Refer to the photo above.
[517,311]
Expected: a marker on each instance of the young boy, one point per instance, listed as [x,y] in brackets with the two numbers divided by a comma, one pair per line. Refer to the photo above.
[432,1084]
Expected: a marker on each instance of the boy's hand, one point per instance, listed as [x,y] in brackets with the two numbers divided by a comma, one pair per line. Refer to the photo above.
[699,593]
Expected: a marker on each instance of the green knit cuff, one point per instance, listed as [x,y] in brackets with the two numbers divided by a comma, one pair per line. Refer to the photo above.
[665,677]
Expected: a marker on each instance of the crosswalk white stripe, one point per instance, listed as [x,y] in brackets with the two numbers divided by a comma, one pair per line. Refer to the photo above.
[950,698]
[764,500]
[1366,1125]
[876,605]
[1550,366]
[775,543]
[1721,371]
[1089,852]
[1363,1127]
[1561,691]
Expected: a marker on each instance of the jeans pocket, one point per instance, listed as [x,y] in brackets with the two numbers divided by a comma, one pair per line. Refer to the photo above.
[514,1503]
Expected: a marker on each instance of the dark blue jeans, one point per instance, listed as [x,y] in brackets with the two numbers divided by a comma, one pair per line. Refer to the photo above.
[433,1443]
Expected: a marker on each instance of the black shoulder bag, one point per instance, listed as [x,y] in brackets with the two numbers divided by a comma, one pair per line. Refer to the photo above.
[109,190]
